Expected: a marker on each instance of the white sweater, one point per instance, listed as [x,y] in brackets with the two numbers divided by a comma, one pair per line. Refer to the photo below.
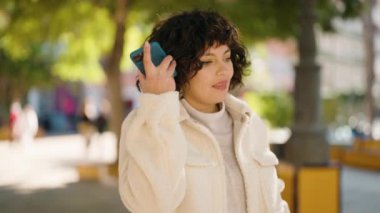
[221,126]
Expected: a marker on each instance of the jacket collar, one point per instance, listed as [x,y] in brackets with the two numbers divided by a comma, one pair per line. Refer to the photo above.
[241,112]
[238,109]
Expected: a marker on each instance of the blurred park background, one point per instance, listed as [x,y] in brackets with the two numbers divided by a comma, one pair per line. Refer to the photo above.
[66,84]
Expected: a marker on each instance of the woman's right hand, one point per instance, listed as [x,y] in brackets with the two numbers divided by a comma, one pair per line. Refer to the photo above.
[157,80]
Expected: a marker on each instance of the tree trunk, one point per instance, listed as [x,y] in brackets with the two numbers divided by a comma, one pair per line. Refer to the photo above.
[112,68]
[5,100]
[308,144]
[369,55]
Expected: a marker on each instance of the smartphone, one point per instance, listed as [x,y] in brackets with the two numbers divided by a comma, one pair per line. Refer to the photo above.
[157,55]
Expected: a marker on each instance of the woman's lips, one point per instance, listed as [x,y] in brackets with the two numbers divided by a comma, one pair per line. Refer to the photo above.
[222,85]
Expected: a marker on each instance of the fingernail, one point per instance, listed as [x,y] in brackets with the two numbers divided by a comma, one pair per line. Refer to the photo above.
[146,44]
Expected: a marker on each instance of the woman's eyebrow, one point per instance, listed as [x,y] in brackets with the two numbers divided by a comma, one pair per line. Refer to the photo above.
[211,54]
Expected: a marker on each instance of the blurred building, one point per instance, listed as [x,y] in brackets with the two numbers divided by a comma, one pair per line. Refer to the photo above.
[341,55]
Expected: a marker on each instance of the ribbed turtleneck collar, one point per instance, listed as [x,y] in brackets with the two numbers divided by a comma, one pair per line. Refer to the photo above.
[217,122]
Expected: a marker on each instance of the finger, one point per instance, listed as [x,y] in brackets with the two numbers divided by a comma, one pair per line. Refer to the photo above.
[165,63]
[142,80]
[148,65]
[171,68]
[140,76]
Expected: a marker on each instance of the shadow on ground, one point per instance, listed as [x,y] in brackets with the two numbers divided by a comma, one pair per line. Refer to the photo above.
[80,197]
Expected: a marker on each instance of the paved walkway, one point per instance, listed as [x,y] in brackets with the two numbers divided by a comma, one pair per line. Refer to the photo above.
[80,197]
[42,178]
[360,190]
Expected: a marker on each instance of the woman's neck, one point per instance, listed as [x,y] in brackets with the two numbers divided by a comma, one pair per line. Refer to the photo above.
[206,108]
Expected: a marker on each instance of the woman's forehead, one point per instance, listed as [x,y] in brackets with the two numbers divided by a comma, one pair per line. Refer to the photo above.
[217,48]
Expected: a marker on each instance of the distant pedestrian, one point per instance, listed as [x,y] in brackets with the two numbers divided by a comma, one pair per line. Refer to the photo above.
[101,122]
[26,126]
[14,114]
[87,121]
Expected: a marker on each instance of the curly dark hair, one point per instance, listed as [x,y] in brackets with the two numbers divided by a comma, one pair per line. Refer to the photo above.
[187,35]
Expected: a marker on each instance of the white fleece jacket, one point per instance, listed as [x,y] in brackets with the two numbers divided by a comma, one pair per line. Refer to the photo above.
[170,163]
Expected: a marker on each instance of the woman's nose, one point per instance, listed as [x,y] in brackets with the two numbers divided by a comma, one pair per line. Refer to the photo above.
[223,68]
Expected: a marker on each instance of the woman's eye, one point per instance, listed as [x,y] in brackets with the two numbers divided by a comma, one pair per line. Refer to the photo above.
[228,59]
[206,62]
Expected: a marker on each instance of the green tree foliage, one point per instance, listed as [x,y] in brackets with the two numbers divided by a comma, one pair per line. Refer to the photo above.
[77,35]
[78,32]
[256,19]
[275,108]
[343,106]
[43,40]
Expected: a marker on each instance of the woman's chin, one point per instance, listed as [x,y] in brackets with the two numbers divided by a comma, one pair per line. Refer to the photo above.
[220,98]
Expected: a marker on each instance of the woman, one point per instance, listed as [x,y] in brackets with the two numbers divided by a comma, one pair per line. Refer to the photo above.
[191,146]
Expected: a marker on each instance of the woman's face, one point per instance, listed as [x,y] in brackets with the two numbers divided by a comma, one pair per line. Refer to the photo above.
[211,83]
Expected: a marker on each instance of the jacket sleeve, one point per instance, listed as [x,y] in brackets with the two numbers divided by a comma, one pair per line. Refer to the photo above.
[152,155]
[284,208]
[268,159]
